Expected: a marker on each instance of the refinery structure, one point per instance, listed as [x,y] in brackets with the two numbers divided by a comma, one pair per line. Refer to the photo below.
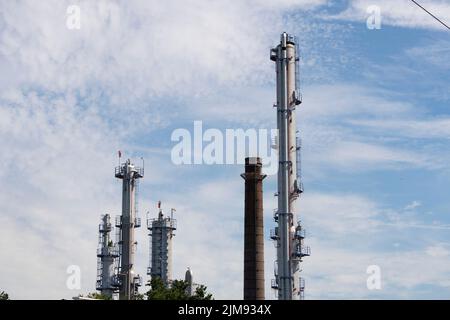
[115,270]
[115,267]
[288,234]
[116,277]
[161,232]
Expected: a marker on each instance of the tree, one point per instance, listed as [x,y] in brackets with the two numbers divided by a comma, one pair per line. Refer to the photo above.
[176,291]
[139,296]
[4,296]
[201,293]
[96,295]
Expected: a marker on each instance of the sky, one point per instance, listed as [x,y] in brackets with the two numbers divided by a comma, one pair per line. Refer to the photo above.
[375,126]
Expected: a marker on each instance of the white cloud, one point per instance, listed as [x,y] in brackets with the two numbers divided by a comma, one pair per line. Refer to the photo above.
[435,54]
[334,272]
[400,13]
[433,128]
[437,251]
[339,215]
[175,48]
[70,99]
[413,205]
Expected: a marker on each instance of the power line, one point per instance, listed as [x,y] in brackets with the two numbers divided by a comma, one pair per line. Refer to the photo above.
[431,14]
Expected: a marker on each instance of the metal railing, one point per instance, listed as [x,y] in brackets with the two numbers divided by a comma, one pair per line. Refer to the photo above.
[118,221]
[137,222]
[301,291]
[137,280]
[300,233]
[116,281]
[108,251]
[274,234]
[275,215]
[103,228]
[120,171]
[301,284]
[302,251]
[166,222]
[274,284]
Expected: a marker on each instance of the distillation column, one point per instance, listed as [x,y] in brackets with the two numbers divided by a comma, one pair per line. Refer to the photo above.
[161,233]
[128,221]
[254,230]
[289,234]
[107,254]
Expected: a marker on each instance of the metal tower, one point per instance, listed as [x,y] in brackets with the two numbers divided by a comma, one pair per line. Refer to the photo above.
[189,278]
[107,254]
[161,234]
[129,281]
[254,230]
[289,234]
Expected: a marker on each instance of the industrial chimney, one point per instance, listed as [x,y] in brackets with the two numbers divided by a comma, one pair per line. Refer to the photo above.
[254,230]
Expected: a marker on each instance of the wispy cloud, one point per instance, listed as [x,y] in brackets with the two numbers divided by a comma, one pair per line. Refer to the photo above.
[70,99]
[401,13]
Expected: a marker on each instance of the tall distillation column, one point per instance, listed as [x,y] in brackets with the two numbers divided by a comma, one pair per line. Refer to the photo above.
[289,234]
[254,230]
[129,281]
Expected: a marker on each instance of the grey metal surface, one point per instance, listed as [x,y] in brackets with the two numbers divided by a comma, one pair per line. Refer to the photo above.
[290,248]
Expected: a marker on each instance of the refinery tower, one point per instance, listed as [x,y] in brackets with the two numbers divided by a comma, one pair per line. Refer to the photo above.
[115,268]
[288,235]
[126,223]
[107,254]
[161,232]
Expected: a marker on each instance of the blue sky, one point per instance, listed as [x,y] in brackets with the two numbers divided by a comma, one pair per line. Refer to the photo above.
[375,124]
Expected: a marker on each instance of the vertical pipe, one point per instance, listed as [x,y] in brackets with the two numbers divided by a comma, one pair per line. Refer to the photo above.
[289,234]
[292,149]
[129,174]
[254,231]
[284,276]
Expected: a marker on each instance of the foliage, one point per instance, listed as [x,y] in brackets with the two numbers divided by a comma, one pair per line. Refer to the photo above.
[139,296]
[4,296]
[98,296]
[176,291]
